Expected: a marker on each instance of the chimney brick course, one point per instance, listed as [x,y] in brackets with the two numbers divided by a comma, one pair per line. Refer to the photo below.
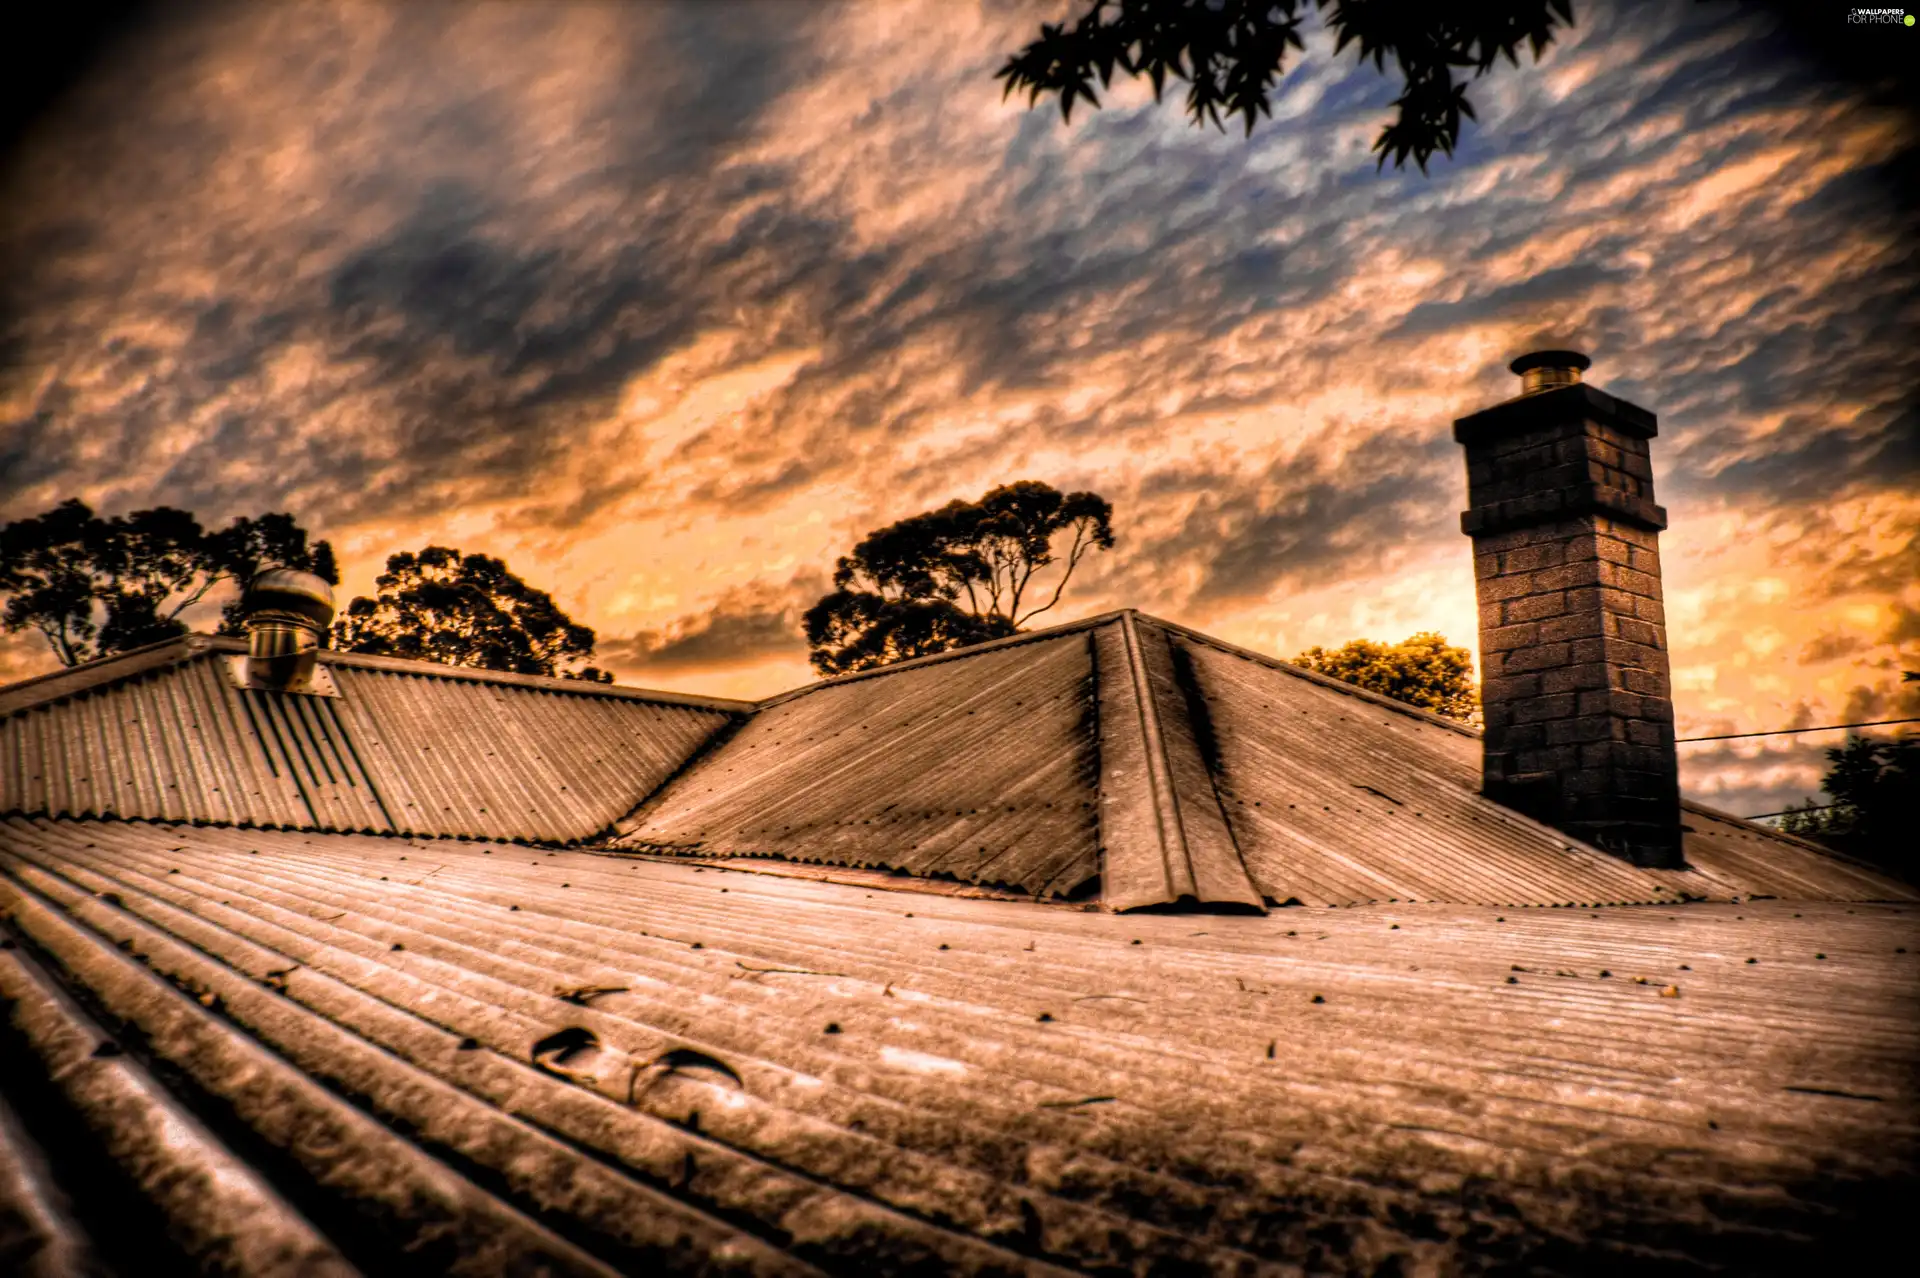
[1575,681]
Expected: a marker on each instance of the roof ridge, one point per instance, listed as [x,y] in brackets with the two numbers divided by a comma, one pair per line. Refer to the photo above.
[951,654]
[1108,618]
[1314,676]
[544,683]
[58,685]
[1189,849]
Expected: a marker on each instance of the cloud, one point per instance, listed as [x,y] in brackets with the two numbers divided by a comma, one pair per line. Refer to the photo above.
[1832,647]
[745,625]
[1296,525]
[1520,299]
[1884,699]
[1905,627]
[1751,778]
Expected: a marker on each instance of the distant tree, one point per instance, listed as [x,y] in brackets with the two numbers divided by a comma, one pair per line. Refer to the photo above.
[1231,53]
[465,610]
[588,674]
[1874,783]
[1422,670]
[952,577]
[93,587]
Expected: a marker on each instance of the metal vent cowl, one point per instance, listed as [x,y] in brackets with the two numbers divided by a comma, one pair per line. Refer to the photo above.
[287,613]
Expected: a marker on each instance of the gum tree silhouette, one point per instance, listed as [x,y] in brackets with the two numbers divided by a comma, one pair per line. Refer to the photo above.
[1422,670]
[94,587]
[466,610]
[952,577]
[1231,53]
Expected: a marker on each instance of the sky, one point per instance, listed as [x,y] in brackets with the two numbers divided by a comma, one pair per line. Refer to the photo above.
[668,304]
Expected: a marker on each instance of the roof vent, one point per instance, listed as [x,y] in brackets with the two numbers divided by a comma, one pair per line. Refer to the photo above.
[287,613]
[1544,370]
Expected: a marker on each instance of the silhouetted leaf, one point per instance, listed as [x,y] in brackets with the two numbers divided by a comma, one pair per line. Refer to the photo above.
[1232,53]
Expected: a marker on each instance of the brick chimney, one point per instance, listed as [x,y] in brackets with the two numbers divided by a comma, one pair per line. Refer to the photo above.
[1573,642]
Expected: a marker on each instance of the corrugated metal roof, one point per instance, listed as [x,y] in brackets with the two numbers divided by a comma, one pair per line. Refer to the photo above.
[499,761]
[406,747]
[1742,858]
[1172,766]
[177,742]
[982,769]
[469,1058]
[1335,801]
[1121,753]
[1295,744]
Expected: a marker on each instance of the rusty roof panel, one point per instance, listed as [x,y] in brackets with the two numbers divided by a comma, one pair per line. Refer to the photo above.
[980,768]
[632,1070]
[405,747]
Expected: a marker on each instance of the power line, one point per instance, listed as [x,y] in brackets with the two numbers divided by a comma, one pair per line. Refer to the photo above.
[1817,807]
[1786,732]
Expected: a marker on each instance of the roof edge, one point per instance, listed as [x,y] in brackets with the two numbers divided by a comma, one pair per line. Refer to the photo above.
[1807,845]
[474,674]
[1107,618]
[43,818]
[57,685]
[952,654]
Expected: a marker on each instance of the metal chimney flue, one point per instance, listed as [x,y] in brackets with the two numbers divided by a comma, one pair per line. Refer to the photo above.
[287,614]
[1545,370]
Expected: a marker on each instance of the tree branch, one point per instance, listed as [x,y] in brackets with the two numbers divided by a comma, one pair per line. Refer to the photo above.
[1079,531]
[195,596]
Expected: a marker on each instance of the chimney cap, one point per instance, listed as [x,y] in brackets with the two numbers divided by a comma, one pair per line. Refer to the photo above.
[289,593]
[1550,359]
